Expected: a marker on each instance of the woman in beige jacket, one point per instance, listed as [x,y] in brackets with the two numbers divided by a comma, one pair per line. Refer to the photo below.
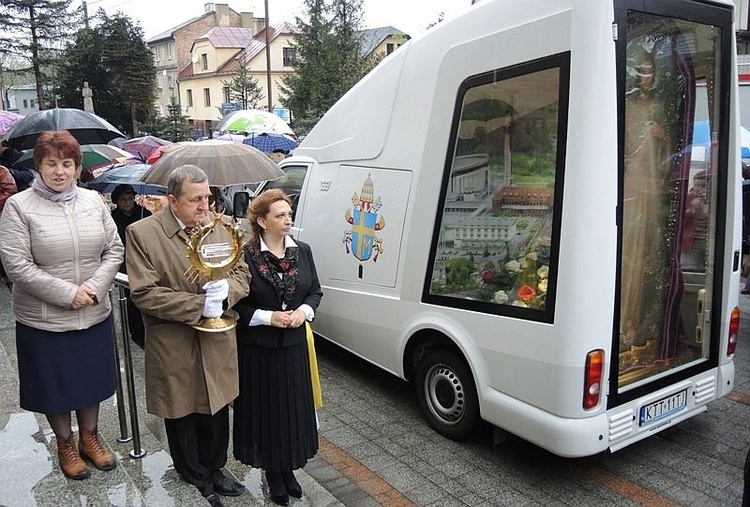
[60,248]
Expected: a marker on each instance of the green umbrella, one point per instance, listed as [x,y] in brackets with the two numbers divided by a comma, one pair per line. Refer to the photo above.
[93,155]
[252,120]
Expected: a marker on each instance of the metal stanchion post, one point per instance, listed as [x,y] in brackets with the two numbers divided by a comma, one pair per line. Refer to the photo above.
[121,280]
[118,388]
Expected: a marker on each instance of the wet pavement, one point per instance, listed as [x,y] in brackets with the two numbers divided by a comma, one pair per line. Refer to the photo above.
[29,471]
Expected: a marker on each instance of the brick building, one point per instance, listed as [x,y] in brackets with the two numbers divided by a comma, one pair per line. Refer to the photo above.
[172,48]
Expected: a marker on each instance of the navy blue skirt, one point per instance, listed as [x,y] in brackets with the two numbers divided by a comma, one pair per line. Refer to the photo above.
[61,372]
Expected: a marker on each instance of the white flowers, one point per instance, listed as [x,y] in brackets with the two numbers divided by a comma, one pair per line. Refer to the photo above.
[501,297]
[543,272]
[513,266]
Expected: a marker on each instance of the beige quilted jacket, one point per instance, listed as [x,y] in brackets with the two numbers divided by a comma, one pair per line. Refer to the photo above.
[49,248]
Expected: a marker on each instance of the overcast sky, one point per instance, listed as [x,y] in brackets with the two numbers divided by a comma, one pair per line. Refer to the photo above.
[157,16]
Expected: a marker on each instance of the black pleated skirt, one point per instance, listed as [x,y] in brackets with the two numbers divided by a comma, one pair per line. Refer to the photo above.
[274,416]
[61,372]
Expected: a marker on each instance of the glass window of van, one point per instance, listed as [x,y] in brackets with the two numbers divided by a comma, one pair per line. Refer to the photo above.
[494,248]
[673,115]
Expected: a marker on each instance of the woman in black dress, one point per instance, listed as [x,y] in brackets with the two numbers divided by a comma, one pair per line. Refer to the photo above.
[274,416]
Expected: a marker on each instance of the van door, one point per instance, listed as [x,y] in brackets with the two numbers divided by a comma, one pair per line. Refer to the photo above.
[674,96]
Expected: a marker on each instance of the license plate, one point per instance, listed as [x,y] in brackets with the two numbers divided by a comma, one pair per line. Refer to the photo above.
[663,408]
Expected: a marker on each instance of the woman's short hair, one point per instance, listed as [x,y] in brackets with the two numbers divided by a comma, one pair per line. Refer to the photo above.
[59,143]
[180,175]
[261,205]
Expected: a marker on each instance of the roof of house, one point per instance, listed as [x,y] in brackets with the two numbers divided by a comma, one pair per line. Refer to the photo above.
[228,37]
[258,43]
[372,37]
[253,48]
[170,33]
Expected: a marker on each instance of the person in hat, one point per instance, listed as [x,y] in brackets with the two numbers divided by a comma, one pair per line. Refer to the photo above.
[128,212]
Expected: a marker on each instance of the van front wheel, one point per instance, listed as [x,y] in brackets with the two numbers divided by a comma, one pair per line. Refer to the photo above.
[446,394]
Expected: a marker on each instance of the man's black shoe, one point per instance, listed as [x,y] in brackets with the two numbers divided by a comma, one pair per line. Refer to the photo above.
[228,487]
[214,500]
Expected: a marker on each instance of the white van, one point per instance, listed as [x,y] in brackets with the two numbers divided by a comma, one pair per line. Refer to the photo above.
[508,211]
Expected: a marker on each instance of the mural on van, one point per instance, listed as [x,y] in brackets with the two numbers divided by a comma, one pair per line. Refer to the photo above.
[360,240]
[496,226]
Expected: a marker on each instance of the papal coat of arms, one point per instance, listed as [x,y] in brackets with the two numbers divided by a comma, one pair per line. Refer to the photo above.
[361,239]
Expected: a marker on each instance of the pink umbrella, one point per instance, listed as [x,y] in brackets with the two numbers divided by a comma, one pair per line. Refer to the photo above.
[7,120]
[144,146]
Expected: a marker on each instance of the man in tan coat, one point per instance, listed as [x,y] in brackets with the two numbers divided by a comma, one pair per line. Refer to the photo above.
[191,376]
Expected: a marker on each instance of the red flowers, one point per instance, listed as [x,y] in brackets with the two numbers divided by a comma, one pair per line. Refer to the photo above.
[526,293]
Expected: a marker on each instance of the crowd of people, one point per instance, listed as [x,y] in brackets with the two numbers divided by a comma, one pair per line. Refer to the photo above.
[60,251]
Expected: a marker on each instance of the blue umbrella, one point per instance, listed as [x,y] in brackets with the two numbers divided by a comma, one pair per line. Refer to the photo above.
[702,137]
[269,142]
[126,173]
[745,142]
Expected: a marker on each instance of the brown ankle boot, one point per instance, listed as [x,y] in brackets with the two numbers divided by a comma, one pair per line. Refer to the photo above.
[70,461]
[92,448]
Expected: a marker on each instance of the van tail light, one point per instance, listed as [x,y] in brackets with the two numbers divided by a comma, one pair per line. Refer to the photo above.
[592,380]
[734,331]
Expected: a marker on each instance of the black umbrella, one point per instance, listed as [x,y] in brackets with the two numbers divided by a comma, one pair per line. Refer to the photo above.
[86,127]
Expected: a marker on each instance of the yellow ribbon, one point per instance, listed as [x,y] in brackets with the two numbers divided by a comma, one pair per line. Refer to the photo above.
[317,391]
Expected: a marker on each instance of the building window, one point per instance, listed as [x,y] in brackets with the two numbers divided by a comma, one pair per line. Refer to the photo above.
[31,104]
[227,94]
[25,103]
[207,97]
[204,60]
[170,50]
[190,98]
[289,57]
[389,48]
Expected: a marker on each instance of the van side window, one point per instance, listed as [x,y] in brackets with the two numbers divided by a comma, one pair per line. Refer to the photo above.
[495,242]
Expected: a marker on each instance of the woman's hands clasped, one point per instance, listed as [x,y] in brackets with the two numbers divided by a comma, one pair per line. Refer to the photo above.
[84,297]
[288,318]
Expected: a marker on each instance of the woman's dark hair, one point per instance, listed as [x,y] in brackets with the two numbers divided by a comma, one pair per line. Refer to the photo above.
[58,143]
[261,206]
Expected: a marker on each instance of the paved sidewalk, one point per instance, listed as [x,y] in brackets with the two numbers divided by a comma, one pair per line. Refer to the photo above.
[30,475]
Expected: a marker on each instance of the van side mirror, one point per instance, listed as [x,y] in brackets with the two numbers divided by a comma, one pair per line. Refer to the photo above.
[240,204]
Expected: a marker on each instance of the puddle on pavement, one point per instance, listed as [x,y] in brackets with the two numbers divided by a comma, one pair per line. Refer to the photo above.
[23,460]
[154,468]
[253,481]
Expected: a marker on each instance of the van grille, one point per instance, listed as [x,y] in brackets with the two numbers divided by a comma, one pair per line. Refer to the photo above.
[621,424]
[705,390]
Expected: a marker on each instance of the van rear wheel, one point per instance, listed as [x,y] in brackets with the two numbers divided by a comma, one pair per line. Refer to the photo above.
[446,394]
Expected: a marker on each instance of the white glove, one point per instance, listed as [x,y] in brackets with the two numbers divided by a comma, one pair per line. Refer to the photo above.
[218,289]
[212,308]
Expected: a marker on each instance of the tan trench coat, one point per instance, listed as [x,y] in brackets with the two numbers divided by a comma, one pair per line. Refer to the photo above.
[187,371]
